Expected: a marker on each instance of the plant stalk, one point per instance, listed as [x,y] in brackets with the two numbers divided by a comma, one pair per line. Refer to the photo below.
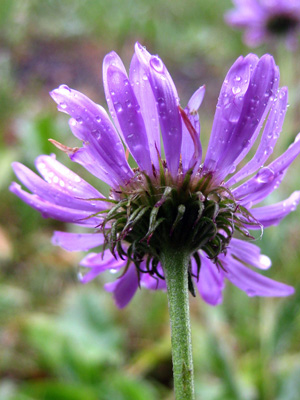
[175,265]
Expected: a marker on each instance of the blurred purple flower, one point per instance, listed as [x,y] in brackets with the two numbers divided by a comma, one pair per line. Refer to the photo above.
[263,20]
[184,202]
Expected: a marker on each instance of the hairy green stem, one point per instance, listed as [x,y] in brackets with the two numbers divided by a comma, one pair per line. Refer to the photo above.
[175,266]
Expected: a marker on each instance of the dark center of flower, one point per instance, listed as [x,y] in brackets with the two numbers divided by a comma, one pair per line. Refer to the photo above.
[282,24]
[188,213]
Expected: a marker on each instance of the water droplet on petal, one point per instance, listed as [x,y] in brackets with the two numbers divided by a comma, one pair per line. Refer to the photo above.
[79,120]
[157,64]
[236,90]
[265,175]
[63,105]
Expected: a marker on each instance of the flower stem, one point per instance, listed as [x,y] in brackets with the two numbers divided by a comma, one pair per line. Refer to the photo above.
[175,266]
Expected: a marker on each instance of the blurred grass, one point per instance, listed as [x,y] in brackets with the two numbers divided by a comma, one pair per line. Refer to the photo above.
[60,340]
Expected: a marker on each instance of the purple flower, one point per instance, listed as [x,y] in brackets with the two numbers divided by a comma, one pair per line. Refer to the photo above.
[172,197]
[263,20]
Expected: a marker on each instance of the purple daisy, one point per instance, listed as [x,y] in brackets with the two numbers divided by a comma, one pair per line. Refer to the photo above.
[172,198]
[266,19]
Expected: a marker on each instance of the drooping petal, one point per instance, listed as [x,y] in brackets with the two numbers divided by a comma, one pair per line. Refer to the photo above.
[273,214]
[249,253]
[142,89]
[50,168]
[55,192]
[124,288]
[253,283]
[77,241]
[128,113]
[191,150]
[91,124]
[268,140]
[50,210]
[211,281]
[268,178]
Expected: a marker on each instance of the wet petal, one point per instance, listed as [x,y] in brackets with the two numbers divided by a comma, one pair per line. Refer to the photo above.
[142,89]
[191,150]
[273,214]
[268,178]
[229,108]
[91,124]
[128,112]
[268,140]
[53,191]
[124,288]
[77,241]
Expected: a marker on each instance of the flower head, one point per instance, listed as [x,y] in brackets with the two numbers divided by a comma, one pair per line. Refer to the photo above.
[266,19]
[171,198]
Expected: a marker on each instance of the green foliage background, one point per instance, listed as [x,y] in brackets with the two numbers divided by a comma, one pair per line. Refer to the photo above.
[60,340]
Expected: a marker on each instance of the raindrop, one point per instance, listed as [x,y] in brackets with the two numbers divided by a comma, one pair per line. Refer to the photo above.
[157,64]
[265,175]
[145,78]
[98,119]
[118,107]
[63,105]
[236,90]
[79,120]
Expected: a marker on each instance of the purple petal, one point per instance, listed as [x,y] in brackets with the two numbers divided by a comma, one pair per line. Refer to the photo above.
[91,124]
[150,282]
[211,281]
[253,283]
[191,150]
[129,116]
[167,106]
[77,241]
[229,108]
[142,89]
[112,58]
[267,179]
[273,214]
[249,253]
[55,192]
[269,138]
[99,263]
[263,85]
[167,102]
[49,167]
[49,210]
[124,288]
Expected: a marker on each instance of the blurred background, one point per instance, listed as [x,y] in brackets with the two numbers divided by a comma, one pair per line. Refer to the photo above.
[60,340]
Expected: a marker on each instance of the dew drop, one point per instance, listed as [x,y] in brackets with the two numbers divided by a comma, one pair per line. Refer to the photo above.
[63,105]
[98,119]
[79,120]
[157,64]
[265,175]
[118,107]
[236,90]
